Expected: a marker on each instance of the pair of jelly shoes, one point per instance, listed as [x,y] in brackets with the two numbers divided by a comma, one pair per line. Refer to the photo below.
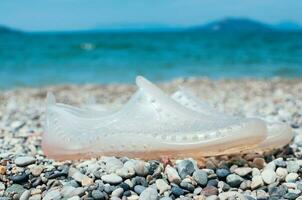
[151,125]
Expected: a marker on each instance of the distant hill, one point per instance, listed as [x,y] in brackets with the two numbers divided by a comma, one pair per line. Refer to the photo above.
[4,29]
[234,25]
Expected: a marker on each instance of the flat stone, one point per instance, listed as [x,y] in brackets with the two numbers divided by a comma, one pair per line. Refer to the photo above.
[78,176]
[112,164]
[112,178]
[281,173]
[23,161]
[280,162]
[70,191]
[222,173]
[256,182]
[201,177]
[261,194]
[291,195]
[292,166]
[149,194]
[35,197]
[97,194]
[234,180]
[125,172]
[139,189]
[177,191]
[172,174]
[291,177]
[36,170]
[187,186]
[269,176]
[117,192]
[185,168]
[14,189]
[141,168]
[231,195]
[52,195]
[243,171]
[259,163]
[162,186]
[25,195]
[209,191]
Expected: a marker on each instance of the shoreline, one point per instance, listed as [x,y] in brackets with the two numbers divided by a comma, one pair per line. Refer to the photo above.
[24,171]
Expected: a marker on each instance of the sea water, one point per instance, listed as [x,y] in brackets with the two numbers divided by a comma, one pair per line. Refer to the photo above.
[38,59]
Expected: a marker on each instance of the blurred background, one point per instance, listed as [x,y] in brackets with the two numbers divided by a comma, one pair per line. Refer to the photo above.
[75,41]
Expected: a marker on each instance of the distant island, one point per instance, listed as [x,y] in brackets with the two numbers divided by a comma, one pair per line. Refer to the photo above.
[230,24]
[234,25]
[4,30]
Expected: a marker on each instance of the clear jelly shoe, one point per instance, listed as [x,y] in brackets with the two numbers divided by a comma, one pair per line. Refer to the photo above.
[149,125]
[279,134]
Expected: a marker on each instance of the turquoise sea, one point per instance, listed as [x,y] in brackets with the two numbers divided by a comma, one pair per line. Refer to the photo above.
[36,59]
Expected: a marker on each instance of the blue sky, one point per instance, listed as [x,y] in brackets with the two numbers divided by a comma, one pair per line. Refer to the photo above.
[45,15]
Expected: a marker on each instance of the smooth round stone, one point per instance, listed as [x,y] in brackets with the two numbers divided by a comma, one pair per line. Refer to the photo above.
[188,186]
[52,195]
[185,168]
[259,163]
[291,177]
[36,170]
[281,172]
[166,198]
[291,195]
[117,192]
[125,186]
[200,177]
[112,179]
[24,161]
[142,168]
[243,171]
[292,166]
[212,182]
[234,180]
[222,173]
[261,194]
[162,186]
[139,189]
[97,194]
[269,176]
[127,193]
[149,194]
[209,191]
[177,191]
[112,164]
[172,174]
[278,191]
[280,162]
[223,186]
[25,195]
[256,182]
[125,172]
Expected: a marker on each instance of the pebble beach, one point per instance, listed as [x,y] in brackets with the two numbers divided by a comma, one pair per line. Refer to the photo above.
[26,174]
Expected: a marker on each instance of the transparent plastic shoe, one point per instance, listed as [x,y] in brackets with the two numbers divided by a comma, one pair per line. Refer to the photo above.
[150,125]
[279,134]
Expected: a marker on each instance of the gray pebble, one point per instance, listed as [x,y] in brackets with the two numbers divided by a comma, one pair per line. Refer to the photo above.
[97,194]
[234,180]
[292,166]
[185,168]
[200,177]
[112,178]
[149,194]
[23,161]
[139,189]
